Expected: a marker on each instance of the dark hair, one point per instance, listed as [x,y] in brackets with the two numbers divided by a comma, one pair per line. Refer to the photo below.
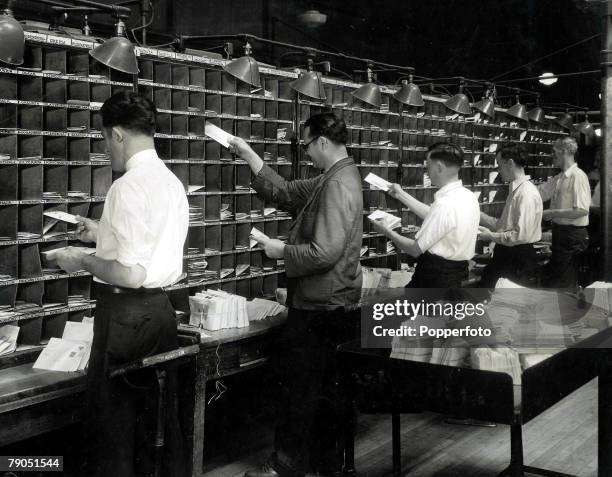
[130,111]
[516,152]
[327,125]
[447,152]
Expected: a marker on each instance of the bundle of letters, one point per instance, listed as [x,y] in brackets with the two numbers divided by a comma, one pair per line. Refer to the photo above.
[390,221]
[260,308]
[71,352]
[215,310]
[8,339]
[501,359]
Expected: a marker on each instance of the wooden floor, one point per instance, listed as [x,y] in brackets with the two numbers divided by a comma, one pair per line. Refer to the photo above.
[563,439]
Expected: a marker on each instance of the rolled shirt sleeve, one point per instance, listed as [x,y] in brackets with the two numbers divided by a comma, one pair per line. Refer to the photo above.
[436,225]
[329,234]
[129,224]
[581,192]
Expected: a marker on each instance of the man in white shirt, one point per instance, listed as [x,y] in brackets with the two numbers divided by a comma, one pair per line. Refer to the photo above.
[447,238]
[569,193]
[139,249]
[519,226]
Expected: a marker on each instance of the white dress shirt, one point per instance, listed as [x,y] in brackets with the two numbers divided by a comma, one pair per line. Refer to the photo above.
[451,225]
[567,190]
[145,220]
[521,220]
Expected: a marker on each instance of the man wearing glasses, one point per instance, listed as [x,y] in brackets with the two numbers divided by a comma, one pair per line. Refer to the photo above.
[323,289]
[446,240]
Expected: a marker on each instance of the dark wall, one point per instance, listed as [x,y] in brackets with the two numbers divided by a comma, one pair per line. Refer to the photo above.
[440,38]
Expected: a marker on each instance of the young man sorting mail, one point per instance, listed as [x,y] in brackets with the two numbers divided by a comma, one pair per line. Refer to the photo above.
[139,249]
[324,282]
[519,226]
[447,238]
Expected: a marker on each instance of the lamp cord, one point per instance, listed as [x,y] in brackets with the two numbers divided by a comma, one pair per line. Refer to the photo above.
[546,56]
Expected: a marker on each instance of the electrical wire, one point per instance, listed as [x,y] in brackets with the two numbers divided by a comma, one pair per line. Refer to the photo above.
[547,56]
[146,25]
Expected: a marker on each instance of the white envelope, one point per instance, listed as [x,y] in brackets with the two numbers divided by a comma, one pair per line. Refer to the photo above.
[217,134]
[377,181]
[63,216]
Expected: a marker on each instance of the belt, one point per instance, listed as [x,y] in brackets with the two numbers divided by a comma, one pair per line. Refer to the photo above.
[116,290]
[569,226]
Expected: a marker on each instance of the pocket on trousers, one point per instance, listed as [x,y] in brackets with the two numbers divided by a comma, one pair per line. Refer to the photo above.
[125,336]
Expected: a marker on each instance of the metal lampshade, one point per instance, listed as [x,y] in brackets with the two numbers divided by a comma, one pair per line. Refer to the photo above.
[486,107]
[587,129]
[410,95]
[245,69]
[117,53]
[309,84]
[565,121]
[536,115]
[369,93]
[459,104]
[518,111]
[12,40]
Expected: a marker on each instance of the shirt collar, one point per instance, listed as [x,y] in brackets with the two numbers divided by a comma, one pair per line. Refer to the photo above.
[139,158]
[517,182]
[570,170]
[337,164]
[447,188]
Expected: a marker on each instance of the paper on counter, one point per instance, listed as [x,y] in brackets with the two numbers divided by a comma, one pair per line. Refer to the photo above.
[217,134]
[61,355]
[63,216]
[377,181]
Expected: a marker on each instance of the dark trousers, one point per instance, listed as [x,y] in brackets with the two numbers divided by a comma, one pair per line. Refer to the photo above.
[514,263]
[309,427]
[433,271]
[122,411]
[568,243]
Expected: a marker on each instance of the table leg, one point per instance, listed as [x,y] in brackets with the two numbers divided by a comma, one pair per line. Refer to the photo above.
[198,404]
[396,440]
[604,435]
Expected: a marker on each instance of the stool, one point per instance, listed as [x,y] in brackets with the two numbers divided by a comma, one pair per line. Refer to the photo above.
[158,363]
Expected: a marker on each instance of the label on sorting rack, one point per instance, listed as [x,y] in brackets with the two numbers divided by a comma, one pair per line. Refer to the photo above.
[59,40]
[146,51]
[82,44]
[166,54]
[182,56]
[30,35]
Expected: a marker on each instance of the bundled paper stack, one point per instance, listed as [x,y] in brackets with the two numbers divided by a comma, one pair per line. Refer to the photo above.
[450,355]
[259,308]
[8,339]
[390,221]
[226,213]
[196,268]
[196,215]
[70,352]
[215,310]
[501,360]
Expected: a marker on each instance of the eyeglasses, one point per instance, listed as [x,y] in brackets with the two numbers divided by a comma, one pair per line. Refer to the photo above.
[305,145]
